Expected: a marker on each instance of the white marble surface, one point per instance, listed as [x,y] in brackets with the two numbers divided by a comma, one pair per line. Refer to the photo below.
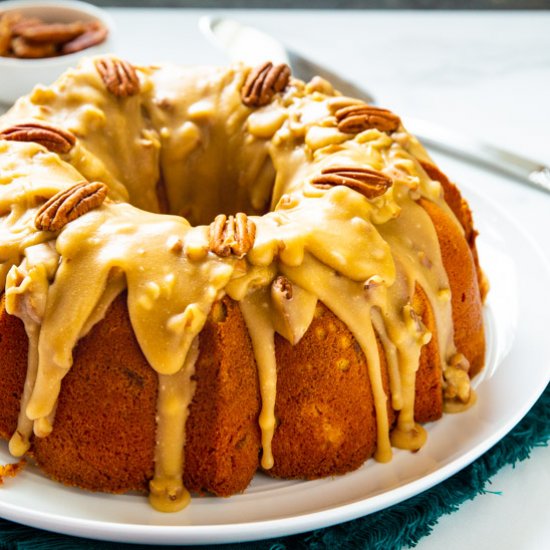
[484,74]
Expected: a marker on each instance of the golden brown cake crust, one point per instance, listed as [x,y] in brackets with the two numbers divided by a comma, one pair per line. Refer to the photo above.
[13,368]
[462,211]
[460,266]
[222,434]
[428,403]
[105,422]
[325,408]
[105,419]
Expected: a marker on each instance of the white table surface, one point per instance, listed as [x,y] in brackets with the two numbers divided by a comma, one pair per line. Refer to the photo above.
[486,74]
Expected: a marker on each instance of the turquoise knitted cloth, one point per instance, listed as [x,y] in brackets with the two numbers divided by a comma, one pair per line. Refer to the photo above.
[400,526]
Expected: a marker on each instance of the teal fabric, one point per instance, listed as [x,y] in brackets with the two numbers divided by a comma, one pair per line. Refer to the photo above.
[400,526]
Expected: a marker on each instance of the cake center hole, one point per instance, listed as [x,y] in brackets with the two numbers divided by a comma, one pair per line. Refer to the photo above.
[207,191]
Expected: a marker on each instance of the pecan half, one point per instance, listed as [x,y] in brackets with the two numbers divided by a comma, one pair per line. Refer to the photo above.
[27,50]
[68,205]
[369,183]
[24,23]
[263,83]
[7,23]
[94,33]
[233,234]
[119,76]
[51,33]
[53,138]
[357,118]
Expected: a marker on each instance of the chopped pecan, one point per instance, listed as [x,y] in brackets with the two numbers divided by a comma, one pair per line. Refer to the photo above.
[456,384]
[459,361]
[95,33]
[233,234]
[282,287]
[320,85]
[119,76]
[68,205]
[263,83]
[369,183]
[53,138]
[357,118]
[375,281]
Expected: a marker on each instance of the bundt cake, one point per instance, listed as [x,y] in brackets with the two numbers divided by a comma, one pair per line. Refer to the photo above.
[209,271]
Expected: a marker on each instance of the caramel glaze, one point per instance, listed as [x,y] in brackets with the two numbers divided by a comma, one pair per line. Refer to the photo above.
[381,269]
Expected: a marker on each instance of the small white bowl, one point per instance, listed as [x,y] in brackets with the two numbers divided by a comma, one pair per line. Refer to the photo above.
[19,76]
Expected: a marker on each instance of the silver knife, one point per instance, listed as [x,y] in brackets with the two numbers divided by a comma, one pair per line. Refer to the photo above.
[253,46]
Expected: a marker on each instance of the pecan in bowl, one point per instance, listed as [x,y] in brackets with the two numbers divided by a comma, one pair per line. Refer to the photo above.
[39,41]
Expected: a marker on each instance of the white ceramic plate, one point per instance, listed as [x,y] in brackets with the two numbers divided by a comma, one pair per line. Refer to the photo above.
[515,376]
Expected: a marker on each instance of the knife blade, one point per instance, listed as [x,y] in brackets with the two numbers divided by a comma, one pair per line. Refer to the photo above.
[253,46]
